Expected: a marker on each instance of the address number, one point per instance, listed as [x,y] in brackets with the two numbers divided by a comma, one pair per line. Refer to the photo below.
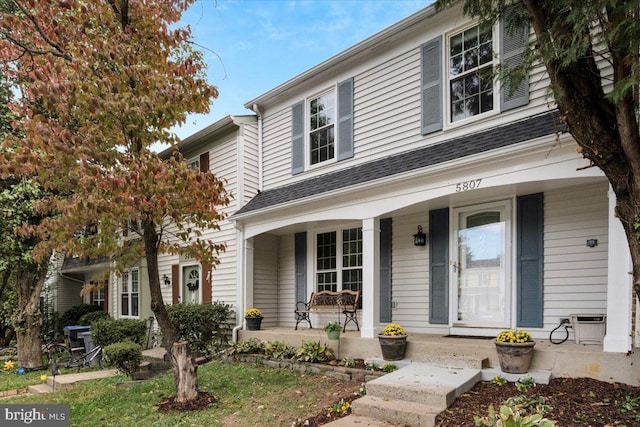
[468,185]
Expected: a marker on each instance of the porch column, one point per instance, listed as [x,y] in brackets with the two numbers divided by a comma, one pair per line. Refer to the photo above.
[248,275]
[619,286]
[370,277]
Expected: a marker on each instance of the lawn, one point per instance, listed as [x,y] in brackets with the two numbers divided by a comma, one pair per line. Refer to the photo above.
[246,394]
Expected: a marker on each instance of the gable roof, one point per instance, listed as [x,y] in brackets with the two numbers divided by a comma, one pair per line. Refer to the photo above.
[456,148]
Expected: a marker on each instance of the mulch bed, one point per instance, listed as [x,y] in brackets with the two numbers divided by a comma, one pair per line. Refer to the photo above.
[203,401]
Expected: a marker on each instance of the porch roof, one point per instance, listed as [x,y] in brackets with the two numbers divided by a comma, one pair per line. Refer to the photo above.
[513,133]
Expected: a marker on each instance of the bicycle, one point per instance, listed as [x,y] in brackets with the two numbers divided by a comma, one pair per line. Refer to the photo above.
[52,349]
[74,359]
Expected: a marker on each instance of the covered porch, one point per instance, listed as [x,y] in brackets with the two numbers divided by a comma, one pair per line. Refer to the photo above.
[568,359]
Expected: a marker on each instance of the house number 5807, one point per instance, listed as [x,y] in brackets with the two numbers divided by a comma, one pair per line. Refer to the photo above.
[468,185]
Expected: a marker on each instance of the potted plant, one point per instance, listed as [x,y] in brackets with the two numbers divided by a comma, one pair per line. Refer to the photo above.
[515,351]
[393,342]
[253,318]
[333,330]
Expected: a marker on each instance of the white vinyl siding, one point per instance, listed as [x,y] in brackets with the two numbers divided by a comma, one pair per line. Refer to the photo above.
[386,106]
[265,278]
[575,275]
[286,280]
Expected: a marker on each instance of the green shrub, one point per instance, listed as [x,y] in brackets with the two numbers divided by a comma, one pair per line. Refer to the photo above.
[72,316]
[125,356]
[110,331]
[314,352]
[89,318]
[205,327]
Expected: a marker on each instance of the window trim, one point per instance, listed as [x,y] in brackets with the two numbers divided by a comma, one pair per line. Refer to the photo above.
[307,128]
[129,293]
[446,77]
[340,268]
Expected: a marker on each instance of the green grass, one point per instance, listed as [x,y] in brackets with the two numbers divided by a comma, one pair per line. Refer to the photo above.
[10,380]
[247,395]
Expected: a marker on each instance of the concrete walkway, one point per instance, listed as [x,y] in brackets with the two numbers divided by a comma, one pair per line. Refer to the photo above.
[60,382]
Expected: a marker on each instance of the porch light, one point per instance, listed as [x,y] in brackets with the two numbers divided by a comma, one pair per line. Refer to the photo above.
[420,239]
[166,279]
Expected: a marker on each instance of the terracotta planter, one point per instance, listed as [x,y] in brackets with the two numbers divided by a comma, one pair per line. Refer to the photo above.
[393,347]
[253,323]
[515,358]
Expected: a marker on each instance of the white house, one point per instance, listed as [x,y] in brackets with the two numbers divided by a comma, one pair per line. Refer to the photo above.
[341,165]
[404,131]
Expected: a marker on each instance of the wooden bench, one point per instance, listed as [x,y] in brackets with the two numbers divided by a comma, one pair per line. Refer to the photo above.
[344,302]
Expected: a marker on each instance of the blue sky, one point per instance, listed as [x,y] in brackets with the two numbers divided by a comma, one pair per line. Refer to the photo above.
[252,46]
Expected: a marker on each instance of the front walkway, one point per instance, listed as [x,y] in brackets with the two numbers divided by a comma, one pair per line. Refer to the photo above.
[564,360]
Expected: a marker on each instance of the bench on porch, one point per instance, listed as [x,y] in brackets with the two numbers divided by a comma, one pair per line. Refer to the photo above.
[344,302]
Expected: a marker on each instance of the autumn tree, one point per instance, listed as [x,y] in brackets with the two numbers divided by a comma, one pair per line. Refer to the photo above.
[590,50]
[100,82]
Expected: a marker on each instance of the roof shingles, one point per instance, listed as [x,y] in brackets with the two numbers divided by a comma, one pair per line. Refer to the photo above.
[491,139]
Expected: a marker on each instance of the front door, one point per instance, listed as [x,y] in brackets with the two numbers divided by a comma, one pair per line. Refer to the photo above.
[191,284]
[481,267]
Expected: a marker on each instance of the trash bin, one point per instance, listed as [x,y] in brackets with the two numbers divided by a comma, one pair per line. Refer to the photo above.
[589,328]
[71,335]
[87,339]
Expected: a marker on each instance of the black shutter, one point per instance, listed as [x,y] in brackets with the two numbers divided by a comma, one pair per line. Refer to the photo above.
[431,86]
[530,259]
[385,270]
[345,119]
[300,251]
[439,266]
[513,42]
[297,138]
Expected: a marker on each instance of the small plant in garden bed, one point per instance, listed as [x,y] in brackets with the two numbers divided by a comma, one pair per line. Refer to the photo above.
[498,381]
[250,346]
[279,350]
[389,367]
[314,352]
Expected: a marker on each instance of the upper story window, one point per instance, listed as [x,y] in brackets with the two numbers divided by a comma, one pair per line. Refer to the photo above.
[456,81]
[322,113]
[322,128]
[471,89]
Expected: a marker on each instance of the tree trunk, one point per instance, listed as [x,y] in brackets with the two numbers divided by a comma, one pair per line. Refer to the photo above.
[185,372]
[29,281]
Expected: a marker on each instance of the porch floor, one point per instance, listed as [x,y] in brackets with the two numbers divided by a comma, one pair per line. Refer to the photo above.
[563,360]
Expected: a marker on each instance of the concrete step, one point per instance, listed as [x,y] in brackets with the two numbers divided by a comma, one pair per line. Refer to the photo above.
[423,383]
[40,389]
[396,411]
[68,380]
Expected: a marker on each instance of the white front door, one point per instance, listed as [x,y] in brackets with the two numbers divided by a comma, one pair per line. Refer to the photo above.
[481,265]
[191,284]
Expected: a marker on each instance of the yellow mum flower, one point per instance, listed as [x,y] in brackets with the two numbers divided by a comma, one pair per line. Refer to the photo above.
[8,365]
[43,377]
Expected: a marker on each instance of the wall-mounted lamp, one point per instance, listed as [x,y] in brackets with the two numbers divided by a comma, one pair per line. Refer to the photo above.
[166,279]
[592,243]
[420,239]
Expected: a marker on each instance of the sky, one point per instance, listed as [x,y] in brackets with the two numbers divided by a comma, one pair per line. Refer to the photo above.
[252,46]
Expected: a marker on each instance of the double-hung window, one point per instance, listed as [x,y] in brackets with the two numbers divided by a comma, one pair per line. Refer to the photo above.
[471,58]
[130,293]
[339,260]
[322,116]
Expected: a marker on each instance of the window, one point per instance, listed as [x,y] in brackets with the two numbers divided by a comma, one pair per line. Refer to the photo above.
[130,293]
[471,90]
[322,113]
[97,297]
[194,164]
[329,272]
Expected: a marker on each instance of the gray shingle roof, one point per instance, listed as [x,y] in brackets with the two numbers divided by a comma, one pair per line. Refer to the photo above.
[491,139]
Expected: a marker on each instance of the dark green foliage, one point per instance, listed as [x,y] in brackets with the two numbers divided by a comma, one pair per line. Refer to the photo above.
[72,316]
[314,352]
[125,356]
[279,350]
[89,318]
[250,346]
[203,326]
[109,331]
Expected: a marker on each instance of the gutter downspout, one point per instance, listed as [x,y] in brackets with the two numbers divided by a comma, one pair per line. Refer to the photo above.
[256,110]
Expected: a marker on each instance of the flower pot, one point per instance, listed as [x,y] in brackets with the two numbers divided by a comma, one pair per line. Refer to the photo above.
[393,347]
[334,335]
[515,358]
[253,323]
